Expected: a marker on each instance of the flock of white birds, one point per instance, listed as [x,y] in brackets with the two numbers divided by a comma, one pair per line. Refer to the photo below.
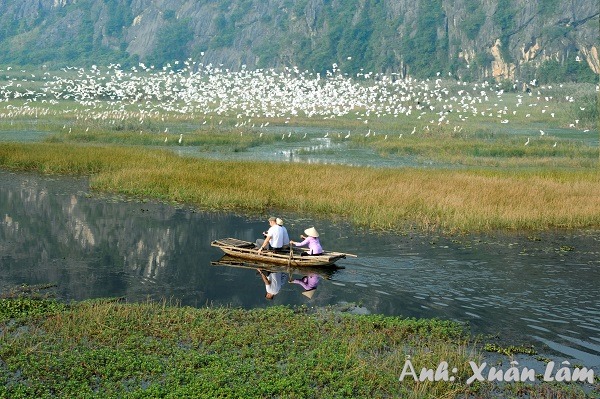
[204,93]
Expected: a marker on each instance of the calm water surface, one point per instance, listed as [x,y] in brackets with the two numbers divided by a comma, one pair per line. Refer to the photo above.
[531,288]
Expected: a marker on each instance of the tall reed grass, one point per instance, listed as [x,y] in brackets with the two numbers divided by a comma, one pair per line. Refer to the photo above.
[450,200]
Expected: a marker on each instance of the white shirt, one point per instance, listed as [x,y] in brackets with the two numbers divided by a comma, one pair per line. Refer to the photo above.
[276,281]
[276,234]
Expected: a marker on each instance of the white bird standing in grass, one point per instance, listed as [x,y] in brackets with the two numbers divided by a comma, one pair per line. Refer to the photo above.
[180,138]
[527,142]
[542,132]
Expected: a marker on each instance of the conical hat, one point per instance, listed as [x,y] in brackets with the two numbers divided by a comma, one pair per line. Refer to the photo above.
[309,294]
[279,221]
[311,232]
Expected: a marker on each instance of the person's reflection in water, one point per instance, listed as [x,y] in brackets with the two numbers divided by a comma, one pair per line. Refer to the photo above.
[309,283]
[273,282]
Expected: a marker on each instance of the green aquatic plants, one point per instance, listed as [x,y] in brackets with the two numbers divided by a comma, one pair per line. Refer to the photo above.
[28,300]
[509,350]
[13,308]
[112,349]
[108,348]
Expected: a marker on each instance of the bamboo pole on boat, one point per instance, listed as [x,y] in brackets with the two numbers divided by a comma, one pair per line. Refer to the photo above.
[291,255]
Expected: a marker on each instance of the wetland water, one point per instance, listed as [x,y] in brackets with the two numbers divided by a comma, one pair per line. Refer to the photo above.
[530,288]
[316,148]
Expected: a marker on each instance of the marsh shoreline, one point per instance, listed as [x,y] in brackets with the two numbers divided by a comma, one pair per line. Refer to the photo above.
[108,348]
[396,200]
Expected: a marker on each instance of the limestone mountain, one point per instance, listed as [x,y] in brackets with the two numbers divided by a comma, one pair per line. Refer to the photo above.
[471,39]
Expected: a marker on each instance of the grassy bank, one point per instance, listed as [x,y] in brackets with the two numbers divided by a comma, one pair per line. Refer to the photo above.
[450,200]
[487,149]
[108,349]
[473,148]
[204,140]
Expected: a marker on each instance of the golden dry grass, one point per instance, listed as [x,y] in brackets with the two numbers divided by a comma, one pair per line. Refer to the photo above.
[450,200]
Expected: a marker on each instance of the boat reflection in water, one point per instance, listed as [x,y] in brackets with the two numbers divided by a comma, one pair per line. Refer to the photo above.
[307,278]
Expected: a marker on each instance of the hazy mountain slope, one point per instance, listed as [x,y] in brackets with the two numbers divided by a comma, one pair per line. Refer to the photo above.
[506,39]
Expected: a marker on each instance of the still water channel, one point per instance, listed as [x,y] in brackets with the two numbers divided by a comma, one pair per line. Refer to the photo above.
[530,288]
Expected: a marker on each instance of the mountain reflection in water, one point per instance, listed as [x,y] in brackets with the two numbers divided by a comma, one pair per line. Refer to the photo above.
[531,288]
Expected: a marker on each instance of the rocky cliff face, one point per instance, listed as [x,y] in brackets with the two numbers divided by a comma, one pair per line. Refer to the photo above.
[504,39]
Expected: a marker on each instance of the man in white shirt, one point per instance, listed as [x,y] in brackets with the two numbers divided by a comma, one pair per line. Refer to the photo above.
[273,239]
[273,282]
[286,236]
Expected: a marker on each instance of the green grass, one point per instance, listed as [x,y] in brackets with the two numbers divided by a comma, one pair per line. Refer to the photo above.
[487,149]
[109,349]
[450,200]
[205,140]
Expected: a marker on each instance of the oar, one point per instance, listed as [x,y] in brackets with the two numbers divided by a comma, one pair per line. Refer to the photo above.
[291,255]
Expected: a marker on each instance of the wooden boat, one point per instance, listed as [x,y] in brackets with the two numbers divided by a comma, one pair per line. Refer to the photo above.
[247,250]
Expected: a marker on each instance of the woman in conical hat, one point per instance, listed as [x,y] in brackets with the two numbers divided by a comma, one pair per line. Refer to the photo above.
[309,283]
[312,240]
[311,232]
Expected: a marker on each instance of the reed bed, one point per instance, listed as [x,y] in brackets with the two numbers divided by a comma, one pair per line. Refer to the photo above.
[390,199]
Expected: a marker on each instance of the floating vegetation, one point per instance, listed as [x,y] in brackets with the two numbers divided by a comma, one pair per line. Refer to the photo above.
[107,348]
[543,359]
[509,350]
[40,291]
